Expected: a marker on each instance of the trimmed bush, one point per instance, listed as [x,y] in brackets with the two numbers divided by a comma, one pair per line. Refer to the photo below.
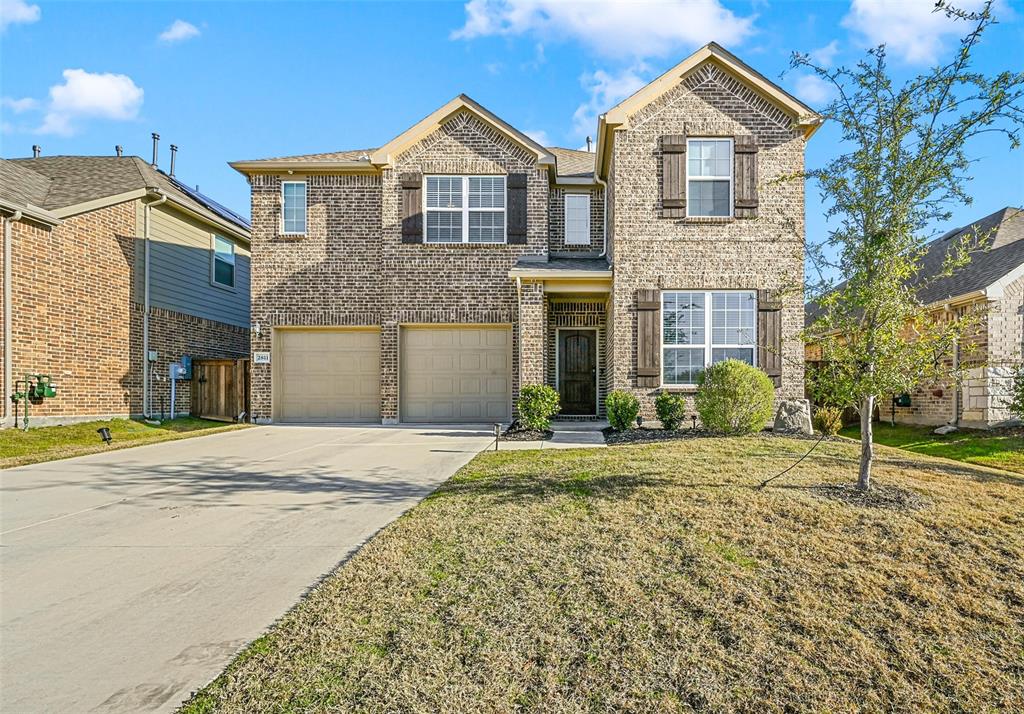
[734,398]
[622,409]
[828,420]
[671,410]
[1016,402]
[537,404]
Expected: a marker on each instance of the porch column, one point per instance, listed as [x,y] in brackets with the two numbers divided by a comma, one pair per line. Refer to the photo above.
[531,333]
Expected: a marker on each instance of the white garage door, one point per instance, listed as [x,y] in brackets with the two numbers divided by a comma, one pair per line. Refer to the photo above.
[327,376]
[456,374]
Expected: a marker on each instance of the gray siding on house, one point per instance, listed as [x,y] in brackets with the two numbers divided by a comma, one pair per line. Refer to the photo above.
[180,253]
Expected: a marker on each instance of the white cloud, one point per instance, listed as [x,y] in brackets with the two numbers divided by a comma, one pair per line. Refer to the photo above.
[179,31]
[908,28]
[824,56]
[619,28]
[19,105]
[606,89]
[539,135]
[87,95]
[17,11]
[494,68]
[812,89]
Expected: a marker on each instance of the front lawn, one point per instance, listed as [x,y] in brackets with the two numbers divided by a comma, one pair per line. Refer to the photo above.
[1002,448]
[47,443]
[658,578]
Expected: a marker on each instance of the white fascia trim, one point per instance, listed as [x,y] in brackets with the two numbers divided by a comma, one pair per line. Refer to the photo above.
[86,206]
[560,274]
[996,290]
[29,211]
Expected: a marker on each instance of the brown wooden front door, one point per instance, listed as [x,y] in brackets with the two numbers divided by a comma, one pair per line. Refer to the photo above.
[577,371]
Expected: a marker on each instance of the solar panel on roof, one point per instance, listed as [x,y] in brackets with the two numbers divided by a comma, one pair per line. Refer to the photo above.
[221,210]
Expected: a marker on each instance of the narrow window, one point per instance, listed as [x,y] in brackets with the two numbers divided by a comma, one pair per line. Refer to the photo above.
[701,328]
[709,177]
[465,209]
[223,262]
[294,214]
[577,219]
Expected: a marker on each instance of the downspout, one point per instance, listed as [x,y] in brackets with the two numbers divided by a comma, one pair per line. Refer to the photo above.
[604,215]
[162,197]
[8,315]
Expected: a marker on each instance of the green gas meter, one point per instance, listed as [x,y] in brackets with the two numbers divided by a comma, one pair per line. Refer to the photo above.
[32,387]
[41,386]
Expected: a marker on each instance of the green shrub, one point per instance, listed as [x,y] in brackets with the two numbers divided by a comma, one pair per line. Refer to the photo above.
[622,409]
[734,398]
[537,404]
[671,410]
[1016,401]
[828,420]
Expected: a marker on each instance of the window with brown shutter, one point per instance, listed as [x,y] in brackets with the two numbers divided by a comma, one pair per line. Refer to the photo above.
[673,176]
[745,148]
[412,207]
[769,334]
[648,338]
[517,209]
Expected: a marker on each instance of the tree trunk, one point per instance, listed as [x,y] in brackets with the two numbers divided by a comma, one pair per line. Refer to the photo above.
[866,443]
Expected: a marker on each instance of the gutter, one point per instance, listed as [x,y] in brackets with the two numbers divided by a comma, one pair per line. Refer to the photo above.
[8,313]
[161,198]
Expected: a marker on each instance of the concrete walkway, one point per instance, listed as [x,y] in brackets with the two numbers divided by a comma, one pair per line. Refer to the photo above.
[130,579]
[568,435]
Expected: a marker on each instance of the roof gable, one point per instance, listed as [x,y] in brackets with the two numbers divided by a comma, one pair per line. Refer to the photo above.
[384,156]
[802,115]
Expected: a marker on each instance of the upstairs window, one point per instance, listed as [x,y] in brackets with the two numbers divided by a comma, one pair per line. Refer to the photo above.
[223,270]
[709,177]
[293,215]
[577,219]
[702,328]
[465,209]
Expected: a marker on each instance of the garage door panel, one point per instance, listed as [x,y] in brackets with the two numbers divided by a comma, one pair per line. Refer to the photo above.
[455,374]
[327,376]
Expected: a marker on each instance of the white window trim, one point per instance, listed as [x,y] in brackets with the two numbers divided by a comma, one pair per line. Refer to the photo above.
[305,209]
[708,346]
[565,216]
[465,210]
[732,171]
[213,263]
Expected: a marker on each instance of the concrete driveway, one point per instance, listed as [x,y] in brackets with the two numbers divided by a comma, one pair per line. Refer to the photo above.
[130,579]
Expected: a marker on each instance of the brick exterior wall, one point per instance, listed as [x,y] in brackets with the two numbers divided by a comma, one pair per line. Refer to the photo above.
[1005,351]
[556,221]
[74,318]
[665,253]
[354,232]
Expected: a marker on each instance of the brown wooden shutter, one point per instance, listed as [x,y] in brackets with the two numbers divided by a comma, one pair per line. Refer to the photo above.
[516,184]
[673,176]
[648,338]
[412,208]
[745,169]
[769,334]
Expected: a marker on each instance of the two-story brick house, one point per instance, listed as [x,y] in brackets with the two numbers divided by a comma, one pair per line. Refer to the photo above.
[428,279]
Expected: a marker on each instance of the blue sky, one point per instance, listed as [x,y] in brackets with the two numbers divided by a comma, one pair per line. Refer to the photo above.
[240,80]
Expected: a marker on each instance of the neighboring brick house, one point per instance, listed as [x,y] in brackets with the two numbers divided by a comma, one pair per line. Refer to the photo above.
[991,285]
[428,279]
[76,229]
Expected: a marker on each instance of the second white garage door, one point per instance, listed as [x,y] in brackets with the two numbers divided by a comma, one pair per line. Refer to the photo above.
[456,374]
[327,375]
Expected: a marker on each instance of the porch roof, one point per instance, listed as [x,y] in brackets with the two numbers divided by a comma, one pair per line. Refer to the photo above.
[560,267]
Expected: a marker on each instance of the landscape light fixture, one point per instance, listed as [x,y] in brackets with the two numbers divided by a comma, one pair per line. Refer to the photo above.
[104,433]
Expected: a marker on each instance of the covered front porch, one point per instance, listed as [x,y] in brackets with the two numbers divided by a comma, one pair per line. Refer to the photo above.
[563,330]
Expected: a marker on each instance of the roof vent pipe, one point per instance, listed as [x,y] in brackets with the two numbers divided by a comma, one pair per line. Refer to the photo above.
[36,150]
[589,142]
[119,149]
[174,152]
[156,145]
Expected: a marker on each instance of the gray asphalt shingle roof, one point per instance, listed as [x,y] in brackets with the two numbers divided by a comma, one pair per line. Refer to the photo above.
[1004,253]
[573,163]
[71,180]
[562,264]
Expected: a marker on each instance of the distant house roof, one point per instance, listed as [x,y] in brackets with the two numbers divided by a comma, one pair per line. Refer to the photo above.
[61,182]
[1003,255]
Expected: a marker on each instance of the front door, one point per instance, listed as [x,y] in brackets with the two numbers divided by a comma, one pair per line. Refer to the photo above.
[577,371]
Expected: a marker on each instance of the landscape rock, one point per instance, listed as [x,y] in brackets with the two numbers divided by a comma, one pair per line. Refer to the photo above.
[793,417]
[945,429]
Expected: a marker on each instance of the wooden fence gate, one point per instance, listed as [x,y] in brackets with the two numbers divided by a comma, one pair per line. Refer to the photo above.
[220,389]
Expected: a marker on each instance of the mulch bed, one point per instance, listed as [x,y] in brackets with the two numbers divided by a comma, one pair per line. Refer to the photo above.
[515,433]
[644,435]
[888,497]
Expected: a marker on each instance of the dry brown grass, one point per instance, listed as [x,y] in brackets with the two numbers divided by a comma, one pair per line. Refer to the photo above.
[656,578]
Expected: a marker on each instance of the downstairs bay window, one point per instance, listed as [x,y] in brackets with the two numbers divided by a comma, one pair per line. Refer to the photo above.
[700,328]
